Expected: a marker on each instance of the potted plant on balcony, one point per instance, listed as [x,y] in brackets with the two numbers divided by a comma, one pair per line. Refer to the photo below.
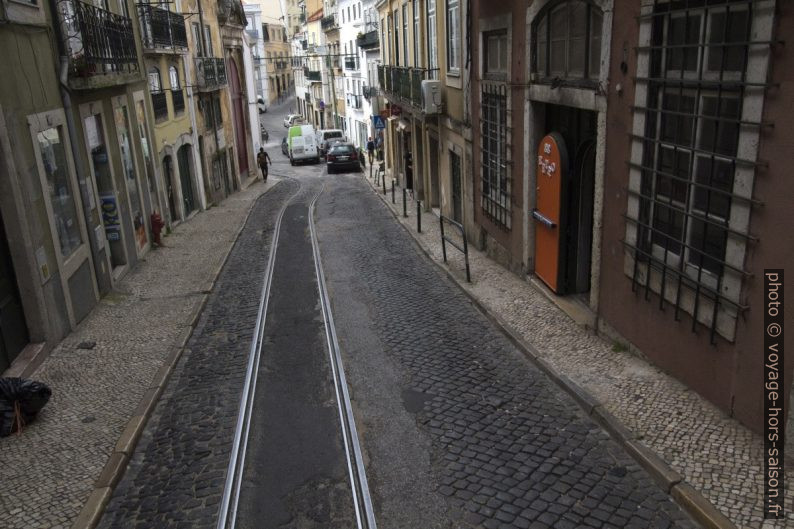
[83,68]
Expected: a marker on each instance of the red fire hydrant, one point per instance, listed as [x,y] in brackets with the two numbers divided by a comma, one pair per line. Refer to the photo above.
[157,228]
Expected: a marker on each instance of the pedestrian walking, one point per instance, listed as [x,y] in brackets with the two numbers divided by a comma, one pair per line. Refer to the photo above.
[262,160]
[370,149]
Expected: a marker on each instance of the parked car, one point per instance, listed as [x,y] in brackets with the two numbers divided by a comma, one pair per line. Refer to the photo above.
[284,146]
[342,156]
[292,119]
[302,144]
[326,137]
[260,104]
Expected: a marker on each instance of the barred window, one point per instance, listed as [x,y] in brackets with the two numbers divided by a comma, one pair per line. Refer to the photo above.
[694,123]
[496,183]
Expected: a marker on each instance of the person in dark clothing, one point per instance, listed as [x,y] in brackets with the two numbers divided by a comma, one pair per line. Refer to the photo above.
[370,149]
[262,160]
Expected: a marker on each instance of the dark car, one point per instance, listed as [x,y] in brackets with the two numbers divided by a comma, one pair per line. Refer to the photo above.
[284,147]
[342,156]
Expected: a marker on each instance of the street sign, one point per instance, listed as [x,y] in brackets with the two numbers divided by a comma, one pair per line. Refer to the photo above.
[378,122]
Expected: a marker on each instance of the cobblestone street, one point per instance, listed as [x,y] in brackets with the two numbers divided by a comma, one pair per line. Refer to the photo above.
[101,372]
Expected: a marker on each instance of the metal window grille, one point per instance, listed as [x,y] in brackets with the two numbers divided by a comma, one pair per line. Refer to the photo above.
[698,58]
[496,184]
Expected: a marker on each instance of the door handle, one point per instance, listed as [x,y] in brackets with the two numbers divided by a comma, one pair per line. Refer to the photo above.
[537,215]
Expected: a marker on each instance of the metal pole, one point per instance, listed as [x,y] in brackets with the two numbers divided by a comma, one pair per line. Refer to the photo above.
[419,216]
[383,181]
[466,257]
[443,240]
[392,191]
[405,203]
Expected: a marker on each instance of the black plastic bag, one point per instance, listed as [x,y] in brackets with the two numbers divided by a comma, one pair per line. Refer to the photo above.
[20,401]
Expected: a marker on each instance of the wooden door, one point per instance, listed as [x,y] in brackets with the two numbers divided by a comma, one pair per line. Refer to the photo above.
[238,115]
[551,163]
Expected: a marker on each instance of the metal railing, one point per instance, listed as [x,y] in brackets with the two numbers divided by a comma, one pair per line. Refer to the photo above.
[351,63]
[404,83]
[98,41]
[328,22]
[445,239]
[162,29]
[368,40]
[178,99]
[210,73]
[312,75]
[160,105]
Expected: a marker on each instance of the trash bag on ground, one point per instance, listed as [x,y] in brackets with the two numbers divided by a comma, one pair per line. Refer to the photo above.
[20,402]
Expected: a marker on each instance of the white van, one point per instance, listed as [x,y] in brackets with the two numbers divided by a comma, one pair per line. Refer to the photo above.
[302,144]
[326,136]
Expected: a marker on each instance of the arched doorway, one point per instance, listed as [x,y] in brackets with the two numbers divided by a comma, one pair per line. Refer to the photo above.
[186,179]
[168,174]
[238,115]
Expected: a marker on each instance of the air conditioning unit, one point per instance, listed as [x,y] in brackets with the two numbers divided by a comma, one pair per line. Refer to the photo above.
[431,96]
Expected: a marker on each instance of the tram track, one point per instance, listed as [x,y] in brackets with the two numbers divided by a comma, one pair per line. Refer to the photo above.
[361,498]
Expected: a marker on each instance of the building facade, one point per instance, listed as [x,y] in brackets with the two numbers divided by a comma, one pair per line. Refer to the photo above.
[76,179]
[427,149]
[165,48]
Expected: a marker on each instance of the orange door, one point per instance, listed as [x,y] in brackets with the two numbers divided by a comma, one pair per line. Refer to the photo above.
[552,158]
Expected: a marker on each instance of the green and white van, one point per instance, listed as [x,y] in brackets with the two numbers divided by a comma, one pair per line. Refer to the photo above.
[302,144]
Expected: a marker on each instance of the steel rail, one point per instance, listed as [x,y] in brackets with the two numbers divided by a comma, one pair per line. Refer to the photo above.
[357,472]
[227,515]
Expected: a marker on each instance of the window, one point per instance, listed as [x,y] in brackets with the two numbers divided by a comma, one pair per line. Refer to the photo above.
[453,36]
[495,46]
[207,41]
[197,39]
[567,41]
[432,44]
[416,41]
[60,189]
[693,164]
[405,33]
[154,80]
[496,183]
[396,38]
[173,77]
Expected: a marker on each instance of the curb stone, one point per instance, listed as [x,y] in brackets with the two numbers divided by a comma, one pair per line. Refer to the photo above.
[116,465]
[687,497]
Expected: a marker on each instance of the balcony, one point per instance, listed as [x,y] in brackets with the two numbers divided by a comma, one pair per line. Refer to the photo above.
[161,30]
[351,63]
[328,23]
[210,73]
[404,84]
[100,46]
[178,99]
[312,75]
[368,40]
[160,105]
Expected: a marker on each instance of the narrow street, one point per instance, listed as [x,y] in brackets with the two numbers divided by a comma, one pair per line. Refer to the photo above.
[456,427]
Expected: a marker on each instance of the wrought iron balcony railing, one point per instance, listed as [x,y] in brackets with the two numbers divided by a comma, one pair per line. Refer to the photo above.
[162,30]
[368,40]
[160,105]
[178,99]
[351,63]
[98,41]
[328,23]
[312,75]
[210,73]
[404,83]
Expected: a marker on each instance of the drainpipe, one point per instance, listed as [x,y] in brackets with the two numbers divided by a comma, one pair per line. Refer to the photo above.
[101,273]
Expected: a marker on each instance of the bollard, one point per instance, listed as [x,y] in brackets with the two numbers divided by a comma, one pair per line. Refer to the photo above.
[419,216]
[383,182]
[392,191]
[405,202]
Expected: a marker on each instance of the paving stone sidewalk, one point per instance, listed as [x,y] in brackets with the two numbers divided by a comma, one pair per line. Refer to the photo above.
[49,471]
[715,454]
